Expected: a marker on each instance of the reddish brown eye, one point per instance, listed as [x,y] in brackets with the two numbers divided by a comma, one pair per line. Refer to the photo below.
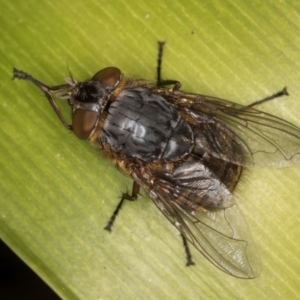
[84,122]
[108,76]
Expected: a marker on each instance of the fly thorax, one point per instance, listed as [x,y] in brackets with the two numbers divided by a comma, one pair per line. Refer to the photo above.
[146,126]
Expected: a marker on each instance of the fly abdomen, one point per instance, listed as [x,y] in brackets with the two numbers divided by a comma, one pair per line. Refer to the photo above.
[144,125]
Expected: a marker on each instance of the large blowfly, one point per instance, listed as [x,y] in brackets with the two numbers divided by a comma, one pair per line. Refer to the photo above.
[187,151]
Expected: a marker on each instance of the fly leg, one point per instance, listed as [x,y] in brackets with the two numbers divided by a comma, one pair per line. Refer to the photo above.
[281,93]
[161,46]
[159,81]
[189,260]
[48,91]
[125,196]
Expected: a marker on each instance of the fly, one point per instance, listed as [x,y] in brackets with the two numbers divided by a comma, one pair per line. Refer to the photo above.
[187,151]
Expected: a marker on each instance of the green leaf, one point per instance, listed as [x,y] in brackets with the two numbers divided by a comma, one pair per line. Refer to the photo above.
[57,193]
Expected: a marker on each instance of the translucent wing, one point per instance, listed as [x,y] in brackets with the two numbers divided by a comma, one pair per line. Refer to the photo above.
[265,140]
[203,210]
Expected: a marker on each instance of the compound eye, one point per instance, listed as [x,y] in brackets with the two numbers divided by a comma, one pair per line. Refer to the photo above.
[84,122]
[109,76]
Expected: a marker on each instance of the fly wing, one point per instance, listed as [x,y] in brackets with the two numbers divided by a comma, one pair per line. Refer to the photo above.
[265,140]
[203,210]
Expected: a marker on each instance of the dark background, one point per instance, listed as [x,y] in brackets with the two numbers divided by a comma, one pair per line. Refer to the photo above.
[18,281]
